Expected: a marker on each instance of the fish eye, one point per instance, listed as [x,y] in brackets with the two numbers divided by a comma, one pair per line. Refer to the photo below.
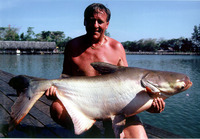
[182,87]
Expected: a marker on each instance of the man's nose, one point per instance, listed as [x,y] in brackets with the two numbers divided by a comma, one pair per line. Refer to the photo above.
[96,24]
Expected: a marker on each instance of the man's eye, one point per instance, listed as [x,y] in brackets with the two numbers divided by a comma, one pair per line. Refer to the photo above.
[90,20]
[100,21]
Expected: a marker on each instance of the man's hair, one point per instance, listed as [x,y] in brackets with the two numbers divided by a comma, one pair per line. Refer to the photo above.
[94,7]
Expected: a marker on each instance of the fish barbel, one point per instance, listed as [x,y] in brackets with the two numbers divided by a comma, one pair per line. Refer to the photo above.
[118,93]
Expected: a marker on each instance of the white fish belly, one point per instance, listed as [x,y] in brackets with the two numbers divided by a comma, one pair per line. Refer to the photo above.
[102,99]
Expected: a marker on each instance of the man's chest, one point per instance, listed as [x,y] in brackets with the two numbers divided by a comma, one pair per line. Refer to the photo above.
[83,61]
[88,57]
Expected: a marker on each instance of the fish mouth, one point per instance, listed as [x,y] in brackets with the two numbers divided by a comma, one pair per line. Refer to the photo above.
[189,84]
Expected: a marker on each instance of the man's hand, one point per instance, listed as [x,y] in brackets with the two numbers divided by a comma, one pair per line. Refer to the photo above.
[157,106]
[51,93]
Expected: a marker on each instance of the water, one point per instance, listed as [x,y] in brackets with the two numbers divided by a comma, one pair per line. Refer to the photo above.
[182,112]
[44,66]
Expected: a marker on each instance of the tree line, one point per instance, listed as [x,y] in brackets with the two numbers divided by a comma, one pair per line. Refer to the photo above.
[11,34]
[179,45]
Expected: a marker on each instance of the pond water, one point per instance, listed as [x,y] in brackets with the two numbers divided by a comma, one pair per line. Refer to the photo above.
[182,112]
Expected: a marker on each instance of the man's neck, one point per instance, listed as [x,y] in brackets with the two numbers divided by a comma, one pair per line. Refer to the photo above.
[92,41]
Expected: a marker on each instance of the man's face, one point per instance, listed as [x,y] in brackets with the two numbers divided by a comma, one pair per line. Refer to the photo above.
[96,24]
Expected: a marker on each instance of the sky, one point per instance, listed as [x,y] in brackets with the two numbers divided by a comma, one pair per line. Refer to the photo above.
[131,20]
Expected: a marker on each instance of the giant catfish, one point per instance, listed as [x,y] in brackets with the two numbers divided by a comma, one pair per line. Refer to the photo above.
[118,93]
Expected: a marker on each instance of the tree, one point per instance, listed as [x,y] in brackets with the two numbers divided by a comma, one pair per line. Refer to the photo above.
[57,36]
[10,34]
[22,38]
[107,33]
[38,37]
[2,33]
[196,36]
[127,45]
[147,45]
[150,45]
[186,45]
[61,45]
[46,36]
[30,34]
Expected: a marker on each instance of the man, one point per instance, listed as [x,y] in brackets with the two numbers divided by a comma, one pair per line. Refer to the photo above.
[94,46]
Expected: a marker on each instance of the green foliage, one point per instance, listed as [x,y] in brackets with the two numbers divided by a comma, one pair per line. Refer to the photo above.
[196,36]
[22,37]
[187,46]
[180,44]
[153,45]
[51,36]
[9,34]
[62,44]
[107,33]
[141,45]
[30,34]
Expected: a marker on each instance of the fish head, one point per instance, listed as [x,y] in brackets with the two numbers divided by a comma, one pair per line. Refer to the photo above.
[165,84]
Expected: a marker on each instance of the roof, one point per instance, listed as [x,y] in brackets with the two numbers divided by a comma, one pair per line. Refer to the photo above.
[27,45]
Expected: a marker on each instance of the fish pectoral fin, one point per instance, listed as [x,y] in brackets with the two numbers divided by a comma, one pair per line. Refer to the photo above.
[150,88]
[21,107]
[105,68]
[118,123]
[81,121]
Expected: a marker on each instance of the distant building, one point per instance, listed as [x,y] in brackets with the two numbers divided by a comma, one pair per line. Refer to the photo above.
[27,47]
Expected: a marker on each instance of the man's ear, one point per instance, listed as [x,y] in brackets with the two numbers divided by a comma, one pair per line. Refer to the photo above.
[107,25]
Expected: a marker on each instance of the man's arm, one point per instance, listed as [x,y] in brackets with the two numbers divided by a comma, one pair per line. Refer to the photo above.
[66,63]
[122,58]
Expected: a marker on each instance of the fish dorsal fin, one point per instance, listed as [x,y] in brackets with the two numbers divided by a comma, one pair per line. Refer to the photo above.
[81,121]
[105,68]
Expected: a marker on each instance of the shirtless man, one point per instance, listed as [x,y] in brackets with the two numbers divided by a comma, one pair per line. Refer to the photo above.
[94,46]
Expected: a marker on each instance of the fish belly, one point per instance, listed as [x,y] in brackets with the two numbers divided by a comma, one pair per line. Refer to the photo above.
[102,99]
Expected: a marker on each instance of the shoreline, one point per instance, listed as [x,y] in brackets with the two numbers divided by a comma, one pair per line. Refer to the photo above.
[163,53]
[127,53]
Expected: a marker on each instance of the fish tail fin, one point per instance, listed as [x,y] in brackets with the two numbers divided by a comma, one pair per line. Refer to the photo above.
[27,97]
[31,90]
[21,107]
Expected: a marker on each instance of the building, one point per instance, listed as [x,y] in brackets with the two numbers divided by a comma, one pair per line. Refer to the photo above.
[27,47]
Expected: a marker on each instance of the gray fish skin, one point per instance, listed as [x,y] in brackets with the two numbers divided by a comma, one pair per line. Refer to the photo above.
[120,93]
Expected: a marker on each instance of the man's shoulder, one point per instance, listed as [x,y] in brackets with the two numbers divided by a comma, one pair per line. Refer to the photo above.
[114,43]
[112,40]
[76,40]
